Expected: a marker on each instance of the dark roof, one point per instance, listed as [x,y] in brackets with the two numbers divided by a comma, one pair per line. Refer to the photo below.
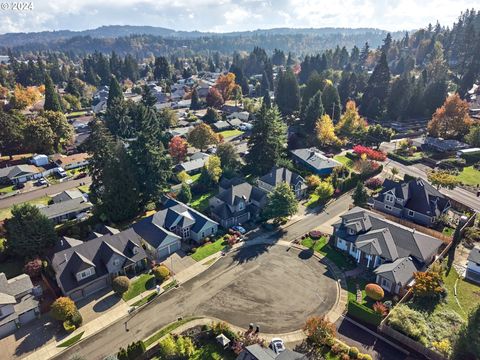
[151,230]
[66,207]
[243,191]
[315,158]
[15,171]
[17,292]
[95,253]
[257,352]
[393,241]
[192,164]
[445,145]
[398,272]
[67,195]
[279,175]
[474,255]
[418,195]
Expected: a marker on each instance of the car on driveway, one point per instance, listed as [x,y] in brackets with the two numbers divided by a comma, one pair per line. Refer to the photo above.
[41,182]
[277,345]
[240,229]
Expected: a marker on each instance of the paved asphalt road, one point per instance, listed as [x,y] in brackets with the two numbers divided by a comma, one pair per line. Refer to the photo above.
[458,194]
[249,285]
[35,194]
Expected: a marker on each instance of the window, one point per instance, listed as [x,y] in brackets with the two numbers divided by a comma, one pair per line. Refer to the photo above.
[85,273]
[135,250]
[116,262]
[351,232]
[385,283]
[388,207]
[411,213]
[241,206]
[389,198]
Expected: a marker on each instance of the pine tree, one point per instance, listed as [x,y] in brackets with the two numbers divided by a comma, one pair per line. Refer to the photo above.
[376,93]
[195,104]
[267,142]
[185,194]
[161,69]
[331,101]
[313,85]
[313,112]
[52,101]
[281,203]
[287,95]
[115,91]
[148,97]
[360,195]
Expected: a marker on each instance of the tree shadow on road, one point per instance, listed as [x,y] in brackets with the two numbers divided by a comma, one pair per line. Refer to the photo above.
[248,253]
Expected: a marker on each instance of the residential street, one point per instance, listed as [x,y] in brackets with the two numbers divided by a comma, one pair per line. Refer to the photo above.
[458,194]
[35,194]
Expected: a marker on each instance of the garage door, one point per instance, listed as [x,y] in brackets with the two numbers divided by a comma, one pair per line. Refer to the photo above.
[27,317]
[163,252]
[94,287]
[175,247]
[7,329]
[77,295]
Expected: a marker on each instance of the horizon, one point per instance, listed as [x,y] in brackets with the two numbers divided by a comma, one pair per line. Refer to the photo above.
[227,16]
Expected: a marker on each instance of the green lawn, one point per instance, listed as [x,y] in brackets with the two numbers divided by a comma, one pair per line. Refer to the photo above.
[143,283]
[195,177]
[230,133]
[6,213]
[72,340]
[200,202]
[145,300]
[468,294]
[352,288]
[76,113]
[448,231]
[312,200]
[166,330]
[344,160]
[469,176]
[84,189]
[7,189]
[208,249]
[212,351]
[321,246]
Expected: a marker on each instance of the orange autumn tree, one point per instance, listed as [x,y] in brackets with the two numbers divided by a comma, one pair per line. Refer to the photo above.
[429,284]
[26,96]
[178,148]
[226,84]
[319,330]
[451,120]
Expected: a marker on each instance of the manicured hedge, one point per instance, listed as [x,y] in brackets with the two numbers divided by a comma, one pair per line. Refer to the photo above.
[363,313]
[402,159]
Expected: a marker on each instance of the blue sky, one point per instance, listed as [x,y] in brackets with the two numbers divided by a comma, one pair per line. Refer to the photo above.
[231,15]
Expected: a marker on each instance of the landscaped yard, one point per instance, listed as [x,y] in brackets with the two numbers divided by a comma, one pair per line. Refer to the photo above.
[200,202]
[84,189]
[166,330]
[143,283]
[6,213]
[469,176]
[212,351]
[344,160]
[230,133]
[323,247]
[7,189]
[208,249]
[468,294]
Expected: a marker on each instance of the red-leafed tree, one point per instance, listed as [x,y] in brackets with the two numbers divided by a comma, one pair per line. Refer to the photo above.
[214,98]
[33,268]
[178,148]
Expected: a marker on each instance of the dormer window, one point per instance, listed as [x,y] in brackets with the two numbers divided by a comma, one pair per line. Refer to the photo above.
[135,250]
[241,205]
[85,273]
[351,232]
[389,198]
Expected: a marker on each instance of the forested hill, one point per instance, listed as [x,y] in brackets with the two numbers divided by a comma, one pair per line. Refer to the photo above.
[146,40]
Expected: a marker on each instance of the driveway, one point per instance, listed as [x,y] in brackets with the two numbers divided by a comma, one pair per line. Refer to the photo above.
[274,287]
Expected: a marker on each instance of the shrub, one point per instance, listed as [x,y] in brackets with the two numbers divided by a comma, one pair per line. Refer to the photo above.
[223,328]
[364,357]
[63,308]
[161,272]
[363,313]
[33,268]
[313,181]
[369,152]
[68,326]
[315,234]
[410,322]
[428,284]
[319,330]
[135,349]
[380,308]
[345,357]
[121,285]
[373,183]
[76,319]
[353,352]
[374,292]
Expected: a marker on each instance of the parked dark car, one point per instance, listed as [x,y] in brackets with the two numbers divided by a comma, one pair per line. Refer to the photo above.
[80,176]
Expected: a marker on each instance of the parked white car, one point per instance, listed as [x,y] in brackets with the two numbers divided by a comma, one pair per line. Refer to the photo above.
[245,126]
[277,345]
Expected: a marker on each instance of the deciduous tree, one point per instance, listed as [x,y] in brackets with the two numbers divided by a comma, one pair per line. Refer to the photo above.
[443,179]
[326,132]
[214,98]
[452,120]
[178,148]
[201,136]
[281,203]
[225,85]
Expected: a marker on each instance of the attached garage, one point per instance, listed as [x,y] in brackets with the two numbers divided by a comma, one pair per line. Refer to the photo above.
[8,328]
[95,286]
[27,317]
[76,295]
[165,251]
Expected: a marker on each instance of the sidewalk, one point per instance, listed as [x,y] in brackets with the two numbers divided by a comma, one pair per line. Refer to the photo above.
[120,311]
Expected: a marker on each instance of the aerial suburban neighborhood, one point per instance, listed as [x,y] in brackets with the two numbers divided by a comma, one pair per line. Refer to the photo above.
[303,191]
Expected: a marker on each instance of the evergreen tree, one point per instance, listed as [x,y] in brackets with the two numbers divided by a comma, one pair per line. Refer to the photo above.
[161,69]
[267,142]
[29,232]
[287,96]
[185,194]
[52,101]
[360,195]
[281,203]
[313,85]
[211,116]
[195,104]
[376,93]
[148,97]
[115,91]
[331,101]
[399,98]
[118,120]
[313,112]
[264,85]
[11,134]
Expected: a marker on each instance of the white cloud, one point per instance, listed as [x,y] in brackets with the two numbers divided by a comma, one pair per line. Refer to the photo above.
[232,15]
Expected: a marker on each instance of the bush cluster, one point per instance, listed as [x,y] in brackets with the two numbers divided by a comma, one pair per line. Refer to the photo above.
[370,153]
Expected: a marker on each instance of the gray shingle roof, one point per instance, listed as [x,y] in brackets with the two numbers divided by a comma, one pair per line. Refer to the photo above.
[16,285]
[399,272]
[408,242]
[12,172]
[66,207]
[315,158]
[474,255]
[279,175]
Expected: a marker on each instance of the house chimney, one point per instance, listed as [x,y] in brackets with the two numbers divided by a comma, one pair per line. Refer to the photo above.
[66,259]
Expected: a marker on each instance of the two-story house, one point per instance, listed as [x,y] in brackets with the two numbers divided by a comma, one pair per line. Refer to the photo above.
[415,200]
[88,267]
[280,175]
[163,232]
[393,251]
[18,305]
[236,202]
